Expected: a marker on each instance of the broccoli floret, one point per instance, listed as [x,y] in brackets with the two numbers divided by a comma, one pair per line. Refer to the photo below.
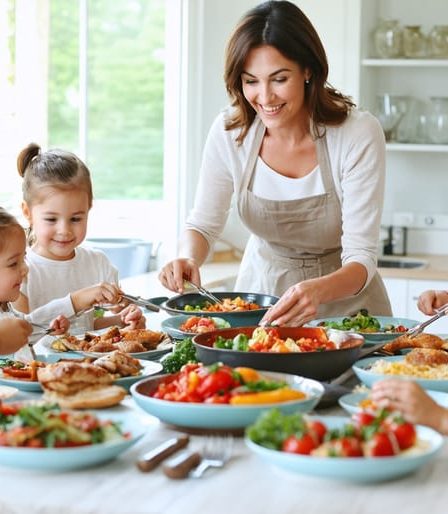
[184,352]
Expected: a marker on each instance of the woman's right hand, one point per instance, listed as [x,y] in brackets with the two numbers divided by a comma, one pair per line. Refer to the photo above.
[172,275]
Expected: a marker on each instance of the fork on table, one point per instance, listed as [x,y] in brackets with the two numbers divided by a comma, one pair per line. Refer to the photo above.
[215,453]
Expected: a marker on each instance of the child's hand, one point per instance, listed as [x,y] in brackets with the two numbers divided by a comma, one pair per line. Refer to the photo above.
[14,334]
[412,401]
[133,317]
[98,294]
[60,325]
[430,300]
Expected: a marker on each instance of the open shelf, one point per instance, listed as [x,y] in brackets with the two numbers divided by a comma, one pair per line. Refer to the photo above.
[415,63]
[413,147]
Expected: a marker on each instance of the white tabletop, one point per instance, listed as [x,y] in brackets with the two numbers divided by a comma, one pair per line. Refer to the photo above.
[246,485]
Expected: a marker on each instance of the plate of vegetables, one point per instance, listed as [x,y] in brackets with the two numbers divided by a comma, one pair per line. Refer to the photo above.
[373,328]
[361,449]
[44,437]
[180,327]
[221,397]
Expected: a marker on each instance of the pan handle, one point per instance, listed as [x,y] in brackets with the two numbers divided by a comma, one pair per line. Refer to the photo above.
[365,352]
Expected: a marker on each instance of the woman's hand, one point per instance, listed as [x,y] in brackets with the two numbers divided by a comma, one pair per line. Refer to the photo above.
[60,325]
[14,334]
[296,306]
[132,317]
[430,300]
[98,294]
[412,401]
[172,275]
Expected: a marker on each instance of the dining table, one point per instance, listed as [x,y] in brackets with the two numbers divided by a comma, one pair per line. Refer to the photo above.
[245,485]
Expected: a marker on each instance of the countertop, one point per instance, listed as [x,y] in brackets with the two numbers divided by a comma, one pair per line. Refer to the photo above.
[214,274]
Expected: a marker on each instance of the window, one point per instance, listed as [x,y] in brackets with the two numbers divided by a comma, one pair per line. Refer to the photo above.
[89,76]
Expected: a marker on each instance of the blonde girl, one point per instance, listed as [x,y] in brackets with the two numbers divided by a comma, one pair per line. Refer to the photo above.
[63,276]
[15,328]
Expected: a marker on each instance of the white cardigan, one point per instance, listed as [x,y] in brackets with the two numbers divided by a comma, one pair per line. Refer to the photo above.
[357,156]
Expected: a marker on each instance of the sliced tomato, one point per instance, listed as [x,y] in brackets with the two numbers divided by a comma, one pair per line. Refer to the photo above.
[217,381]
[347,446]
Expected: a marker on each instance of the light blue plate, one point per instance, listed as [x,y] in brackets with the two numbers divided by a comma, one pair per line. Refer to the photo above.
[374,337]
[212,416]
[44,346]
[362,370]
[149,368]
[64,459]
[350,402]
[171,326]
[356,469]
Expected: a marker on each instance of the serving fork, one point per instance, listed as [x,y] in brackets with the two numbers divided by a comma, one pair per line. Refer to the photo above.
[205,292]
[418,329]
[215,453]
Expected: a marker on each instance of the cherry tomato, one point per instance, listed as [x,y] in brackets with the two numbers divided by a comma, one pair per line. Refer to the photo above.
[8,410]
[347,446]
[317,430]
[404,432]
[363,419]
[381,445]
[303,445]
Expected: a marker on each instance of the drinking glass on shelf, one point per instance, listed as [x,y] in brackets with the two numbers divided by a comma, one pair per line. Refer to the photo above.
[387,39]
[413,126]
[414,42]
[438,120]
[389,110]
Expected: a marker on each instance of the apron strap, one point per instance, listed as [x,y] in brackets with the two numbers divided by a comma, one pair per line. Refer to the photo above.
[253,155]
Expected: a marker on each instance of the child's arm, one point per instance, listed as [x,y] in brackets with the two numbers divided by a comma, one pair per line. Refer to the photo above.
[430,300]
[98,294]
[412,401]
[131,316]
[14,334]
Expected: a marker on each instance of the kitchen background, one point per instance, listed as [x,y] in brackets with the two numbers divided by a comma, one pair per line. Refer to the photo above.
[192,55]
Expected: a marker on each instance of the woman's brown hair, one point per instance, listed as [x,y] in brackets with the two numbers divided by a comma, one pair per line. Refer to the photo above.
[55,168]
[8,223]
[284,26]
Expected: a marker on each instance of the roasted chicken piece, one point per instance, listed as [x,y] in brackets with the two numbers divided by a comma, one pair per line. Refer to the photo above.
[101,346]
[426,357]
[148,338]
[130,346]
[119,363]
[419,341]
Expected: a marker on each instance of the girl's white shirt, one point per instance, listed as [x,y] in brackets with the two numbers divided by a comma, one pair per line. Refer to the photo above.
[49,283]
[357,157]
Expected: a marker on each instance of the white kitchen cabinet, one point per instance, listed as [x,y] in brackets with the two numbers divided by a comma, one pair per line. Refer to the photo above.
[397,289]
[403,295]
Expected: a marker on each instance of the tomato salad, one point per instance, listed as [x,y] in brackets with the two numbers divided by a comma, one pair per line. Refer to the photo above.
[269,340]
[382,434]
[201,325]
[221,384]
[18,370]
[47,426]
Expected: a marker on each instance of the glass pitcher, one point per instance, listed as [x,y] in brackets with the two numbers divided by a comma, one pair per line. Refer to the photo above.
[438,120]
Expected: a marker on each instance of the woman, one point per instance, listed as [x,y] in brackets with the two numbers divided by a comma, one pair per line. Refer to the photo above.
[307,170]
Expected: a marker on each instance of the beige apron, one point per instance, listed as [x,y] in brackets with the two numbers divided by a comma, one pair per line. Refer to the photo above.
[297,240]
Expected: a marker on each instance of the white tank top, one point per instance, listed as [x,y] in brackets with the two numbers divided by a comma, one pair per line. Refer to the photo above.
[269,184]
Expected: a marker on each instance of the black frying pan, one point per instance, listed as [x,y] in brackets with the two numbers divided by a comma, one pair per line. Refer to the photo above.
[176,305]
[320,365]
